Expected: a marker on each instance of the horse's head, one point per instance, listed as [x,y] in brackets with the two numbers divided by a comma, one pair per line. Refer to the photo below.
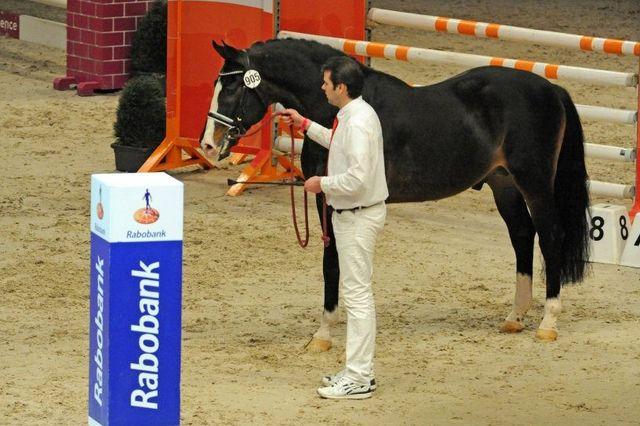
[238,102]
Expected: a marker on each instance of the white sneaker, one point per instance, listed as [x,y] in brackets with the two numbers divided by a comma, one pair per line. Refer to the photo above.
[344,388]
[329,380]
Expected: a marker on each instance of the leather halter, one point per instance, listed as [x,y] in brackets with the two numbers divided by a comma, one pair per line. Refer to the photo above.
[235,126]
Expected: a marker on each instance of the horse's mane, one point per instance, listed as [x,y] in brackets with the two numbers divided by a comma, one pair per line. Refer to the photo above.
[293,60]
[297,49]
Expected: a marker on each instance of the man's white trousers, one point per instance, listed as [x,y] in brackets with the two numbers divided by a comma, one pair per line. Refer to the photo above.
[355,234]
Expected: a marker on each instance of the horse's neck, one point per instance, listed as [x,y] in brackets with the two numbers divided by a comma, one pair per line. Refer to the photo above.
[285,97]
[310,101]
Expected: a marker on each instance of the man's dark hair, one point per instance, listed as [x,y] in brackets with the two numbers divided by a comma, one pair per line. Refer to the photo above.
[347,71]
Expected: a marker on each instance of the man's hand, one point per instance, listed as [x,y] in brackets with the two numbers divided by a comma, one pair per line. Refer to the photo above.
[313,185]
[290,115]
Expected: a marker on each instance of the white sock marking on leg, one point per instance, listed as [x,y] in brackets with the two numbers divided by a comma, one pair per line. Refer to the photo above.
[329,319]
[552,309]
[523,297]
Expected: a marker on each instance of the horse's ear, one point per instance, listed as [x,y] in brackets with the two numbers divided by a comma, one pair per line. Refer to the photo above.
[224,50]
[218,48]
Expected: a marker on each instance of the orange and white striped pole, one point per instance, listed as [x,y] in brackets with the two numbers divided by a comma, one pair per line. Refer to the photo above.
[415,54]
[503,32]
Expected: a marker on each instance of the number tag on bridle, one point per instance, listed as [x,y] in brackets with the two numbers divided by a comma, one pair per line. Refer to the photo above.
[252,79]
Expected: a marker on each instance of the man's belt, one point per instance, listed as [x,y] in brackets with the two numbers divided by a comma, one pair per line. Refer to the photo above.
[356,208]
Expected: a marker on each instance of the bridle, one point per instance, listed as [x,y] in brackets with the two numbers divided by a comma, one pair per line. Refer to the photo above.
[235,127]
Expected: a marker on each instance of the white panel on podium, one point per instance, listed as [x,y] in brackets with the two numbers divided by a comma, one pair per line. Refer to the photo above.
[608,232]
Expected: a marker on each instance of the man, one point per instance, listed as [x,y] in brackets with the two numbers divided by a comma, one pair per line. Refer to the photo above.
[355,186]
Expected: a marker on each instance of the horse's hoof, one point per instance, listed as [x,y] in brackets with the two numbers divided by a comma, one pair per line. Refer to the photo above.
[318,345]
[546,335]
[511,327]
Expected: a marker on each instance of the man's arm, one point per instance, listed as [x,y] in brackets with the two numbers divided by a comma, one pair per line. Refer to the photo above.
[319,134]
[315,131]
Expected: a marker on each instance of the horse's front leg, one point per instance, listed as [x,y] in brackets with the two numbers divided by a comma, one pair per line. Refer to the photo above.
[321,340]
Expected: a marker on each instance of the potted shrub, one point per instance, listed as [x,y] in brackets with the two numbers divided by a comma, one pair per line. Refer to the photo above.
[149,44]
[140,122]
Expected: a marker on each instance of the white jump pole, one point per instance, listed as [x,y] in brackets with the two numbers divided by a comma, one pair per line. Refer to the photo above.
[608,152]
[612,190]
[611,115]
[283,143]
[415,54]
[503,32]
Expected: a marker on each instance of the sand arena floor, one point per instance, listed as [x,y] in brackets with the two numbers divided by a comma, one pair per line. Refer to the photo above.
[444,270]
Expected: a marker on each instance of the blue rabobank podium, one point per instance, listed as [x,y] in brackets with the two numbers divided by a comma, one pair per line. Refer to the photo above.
[136,290]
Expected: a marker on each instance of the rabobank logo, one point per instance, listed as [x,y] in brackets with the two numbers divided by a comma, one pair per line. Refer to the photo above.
[99,206]
[146,215]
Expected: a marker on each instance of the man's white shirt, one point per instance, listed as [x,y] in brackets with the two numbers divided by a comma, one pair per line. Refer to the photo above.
[356,160]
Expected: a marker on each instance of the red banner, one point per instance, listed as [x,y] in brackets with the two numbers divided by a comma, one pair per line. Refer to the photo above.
[9,24]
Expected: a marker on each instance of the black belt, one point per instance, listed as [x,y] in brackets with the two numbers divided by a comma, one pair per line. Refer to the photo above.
[356,208]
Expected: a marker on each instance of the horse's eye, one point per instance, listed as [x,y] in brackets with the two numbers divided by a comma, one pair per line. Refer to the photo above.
[232,84]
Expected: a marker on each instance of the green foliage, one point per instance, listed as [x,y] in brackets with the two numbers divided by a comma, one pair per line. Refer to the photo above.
[149,45]
[140,118]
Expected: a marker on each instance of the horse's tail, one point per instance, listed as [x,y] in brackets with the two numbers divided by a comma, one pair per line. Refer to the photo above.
[572,196]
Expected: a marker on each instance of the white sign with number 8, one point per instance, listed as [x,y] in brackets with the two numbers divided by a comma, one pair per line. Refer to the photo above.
[608,232]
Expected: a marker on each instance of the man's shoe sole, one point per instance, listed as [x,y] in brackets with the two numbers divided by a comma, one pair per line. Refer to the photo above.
[326,381]
[364,395]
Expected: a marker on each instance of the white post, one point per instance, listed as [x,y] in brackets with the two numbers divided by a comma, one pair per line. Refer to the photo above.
[135,299]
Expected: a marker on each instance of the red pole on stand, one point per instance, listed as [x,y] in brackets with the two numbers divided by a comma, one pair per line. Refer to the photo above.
[635,209]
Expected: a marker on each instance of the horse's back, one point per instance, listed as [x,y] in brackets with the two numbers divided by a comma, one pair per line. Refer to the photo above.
[449,135]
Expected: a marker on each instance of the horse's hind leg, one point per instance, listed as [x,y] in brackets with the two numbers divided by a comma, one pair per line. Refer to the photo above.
[538,194]
[513,210]
[550,236]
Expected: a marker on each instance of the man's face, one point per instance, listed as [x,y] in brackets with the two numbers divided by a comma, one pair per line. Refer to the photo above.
[333,93]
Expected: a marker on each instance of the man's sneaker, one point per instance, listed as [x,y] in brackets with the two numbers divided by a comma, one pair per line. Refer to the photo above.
[330,380]
[344,388]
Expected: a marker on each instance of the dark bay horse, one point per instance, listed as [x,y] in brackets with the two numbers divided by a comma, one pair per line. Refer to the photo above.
[511,129]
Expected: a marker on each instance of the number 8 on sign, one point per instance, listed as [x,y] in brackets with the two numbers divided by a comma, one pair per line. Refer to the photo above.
[624,232]
[607,232]
[596,232]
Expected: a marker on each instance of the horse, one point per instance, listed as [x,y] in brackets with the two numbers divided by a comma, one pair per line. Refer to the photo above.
[510,129]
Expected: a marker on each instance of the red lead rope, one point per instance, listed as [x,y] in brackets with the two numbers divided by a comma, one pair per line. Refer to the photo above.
[325,234]
[303,243]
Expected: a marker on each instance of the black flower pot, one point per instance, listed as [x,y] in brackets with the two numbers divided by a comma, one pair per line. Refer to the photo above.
[130,158]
